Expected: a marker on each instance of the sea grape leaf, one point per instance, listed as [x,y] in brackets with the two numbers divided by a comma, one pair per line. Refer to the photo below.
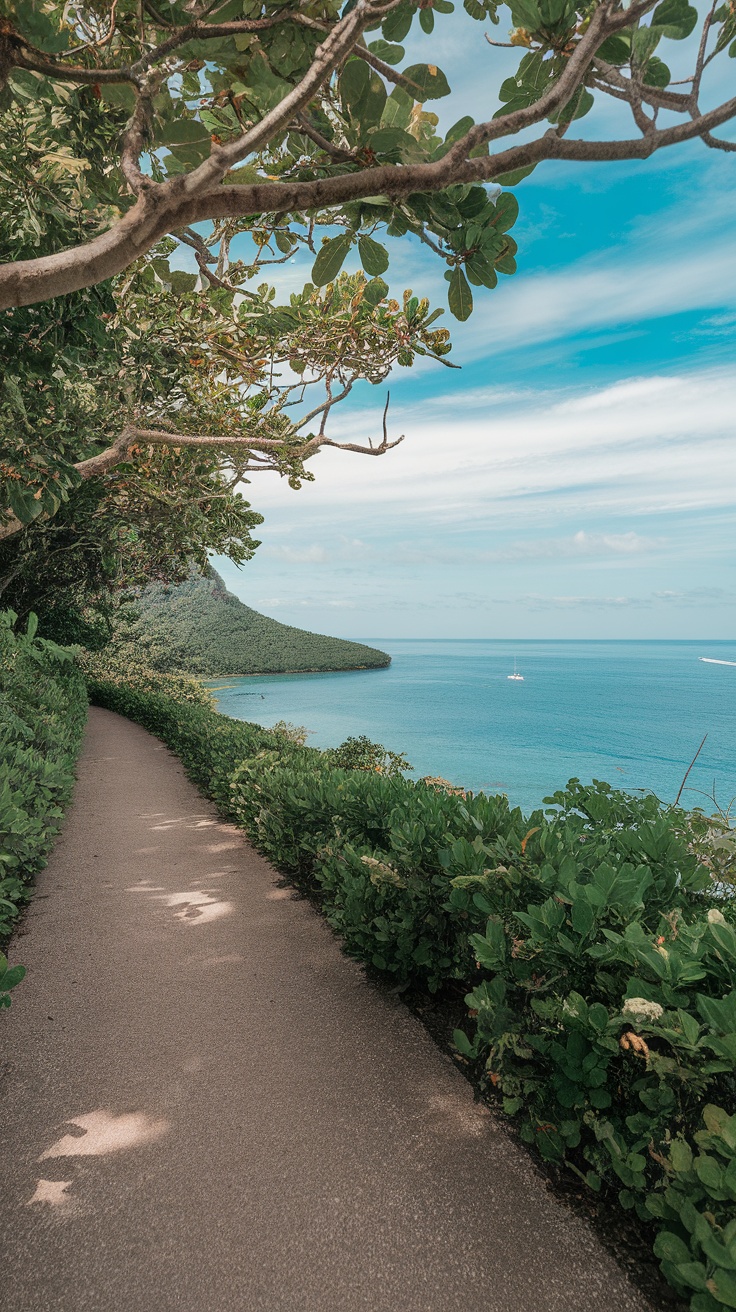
[388,52]
[675,19]
[373,256]
[430,81]
[460,297]
[330,259]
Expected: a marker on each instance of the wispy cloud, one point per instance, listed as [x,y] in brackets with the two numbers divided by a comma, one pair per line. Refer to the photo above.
[645,446]
[314,555]
[579,544]
[307,603]
[693,597]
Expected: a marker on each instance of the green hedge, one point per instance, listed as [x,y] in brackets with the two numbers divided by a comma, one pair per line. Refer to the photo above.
[598,954]
[43,708]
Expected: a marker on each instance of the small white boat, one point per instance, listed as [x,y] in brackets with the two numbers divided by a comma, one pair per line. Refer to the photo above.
[518,677]
[709,660]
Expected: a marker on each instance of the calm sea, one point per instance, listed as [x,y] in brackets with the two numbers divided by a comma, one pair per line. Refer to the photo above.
[632,713]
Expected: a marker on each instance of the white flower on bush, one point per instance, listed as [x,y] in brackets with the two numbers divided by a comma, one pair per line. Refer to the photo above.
[716,917]
[382,872]
[642,1010]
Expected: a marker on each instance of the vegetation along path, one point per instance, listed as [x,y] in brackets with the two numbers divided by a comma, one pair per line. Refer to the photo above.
[205,1106]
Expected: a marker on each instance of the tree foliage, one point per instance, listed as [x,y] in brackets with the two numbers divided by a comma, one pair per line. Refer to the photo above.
[181,385]
[272,120]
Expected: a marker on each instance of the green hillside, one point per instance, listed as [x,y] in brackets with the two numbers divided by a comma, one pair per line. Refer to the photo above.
[201,627]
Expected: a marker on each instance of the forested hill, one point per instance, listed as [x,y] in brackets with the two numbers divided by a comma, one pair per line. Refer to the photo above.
[201,627]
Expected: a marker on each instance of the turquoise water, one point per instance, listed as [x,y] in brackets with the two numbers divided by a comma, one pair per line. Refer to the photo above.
[632,713]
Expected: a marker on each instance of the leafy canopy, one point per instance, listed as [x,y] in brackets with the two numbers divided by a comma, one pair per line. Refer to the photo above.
[272,120]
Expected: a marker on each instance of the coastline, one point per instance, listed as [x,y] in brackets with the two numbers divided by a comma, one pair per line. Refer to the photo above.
[266,674]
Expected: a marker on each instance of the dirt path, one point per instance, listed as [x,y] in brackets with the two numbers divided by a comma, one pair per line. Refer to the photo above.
[205,1107]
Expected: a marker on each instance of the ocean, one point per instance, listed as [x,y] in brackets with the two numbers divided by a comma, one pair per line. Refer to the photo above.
[630,713]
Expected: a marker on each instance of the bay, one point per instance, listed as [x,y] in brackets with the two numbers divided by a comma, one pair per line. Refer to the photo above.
[630,713]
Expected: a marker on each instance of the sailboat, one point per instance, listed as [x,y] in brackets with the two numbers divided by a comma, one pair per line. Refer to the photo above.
[518,677]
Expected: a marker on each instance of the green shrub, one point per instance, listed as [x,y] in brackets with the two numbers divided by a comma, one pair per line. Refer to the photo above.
[361,754]
[125,670]
[697,1242]
[43,708]
[596,940]
[9,977]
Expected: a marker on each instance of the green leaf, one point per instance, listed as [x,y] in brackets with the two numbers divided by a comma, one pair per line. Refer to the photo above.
[724,937]
[582,916]
[670,1248]
[426,20]
[330,259]
[515,175]
[675,18]
[373,256]
[644,42]
[709,1173]
[616,50]
[462,1043]
[460,297]
[398,109]
[182,282]
[385,50]
[394,141]
[354,81]
[375,291]
[577,107]
[723,1288]
[397,24]
[480,270]
[429,81]
[525,13]
[507,212]
[11,977]
[183,131]
[506,264]
[598,1016]
[656,74]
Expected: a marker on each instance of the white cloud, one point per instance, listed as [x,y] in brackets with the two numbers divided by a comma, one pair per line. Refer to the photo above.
[598,293]
[308,603]
[644,446]
[578,544]
[313,555]
[693,597]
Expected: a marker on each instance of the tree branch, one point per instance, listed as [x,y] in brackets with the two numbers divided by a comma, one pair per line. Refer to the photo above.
[205,195]
[335,153]
[24,55]
[370,450]
[327,56]
[133,144]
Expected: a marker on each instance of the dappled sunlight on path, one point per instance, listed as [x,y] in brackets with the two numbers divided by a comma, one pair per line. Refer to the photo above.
[104,1132]
[196,907]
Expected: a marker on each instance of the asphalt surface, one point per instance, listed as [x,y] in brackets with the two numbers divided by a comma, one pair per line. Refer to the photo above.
[206,1108]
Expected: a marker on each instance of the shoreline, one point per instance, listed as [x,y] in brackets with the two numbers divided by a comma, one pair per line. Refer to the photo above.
[265,674]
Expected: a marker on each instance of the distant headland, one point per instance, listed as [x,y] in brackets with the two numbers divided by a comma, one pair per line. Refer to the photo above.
[200,627]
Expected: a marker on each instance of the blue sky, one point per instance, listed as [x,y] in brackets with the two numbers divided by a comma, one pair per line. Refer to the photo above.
[577,477]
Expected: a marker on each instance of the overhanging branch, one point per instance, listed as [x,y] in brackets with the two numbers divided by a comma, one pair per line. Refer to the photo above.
[205,193]
[260,448]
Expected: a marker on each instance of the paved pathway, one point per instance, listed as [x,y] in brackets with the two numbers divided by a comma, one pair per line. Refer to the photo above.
[205,1108]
